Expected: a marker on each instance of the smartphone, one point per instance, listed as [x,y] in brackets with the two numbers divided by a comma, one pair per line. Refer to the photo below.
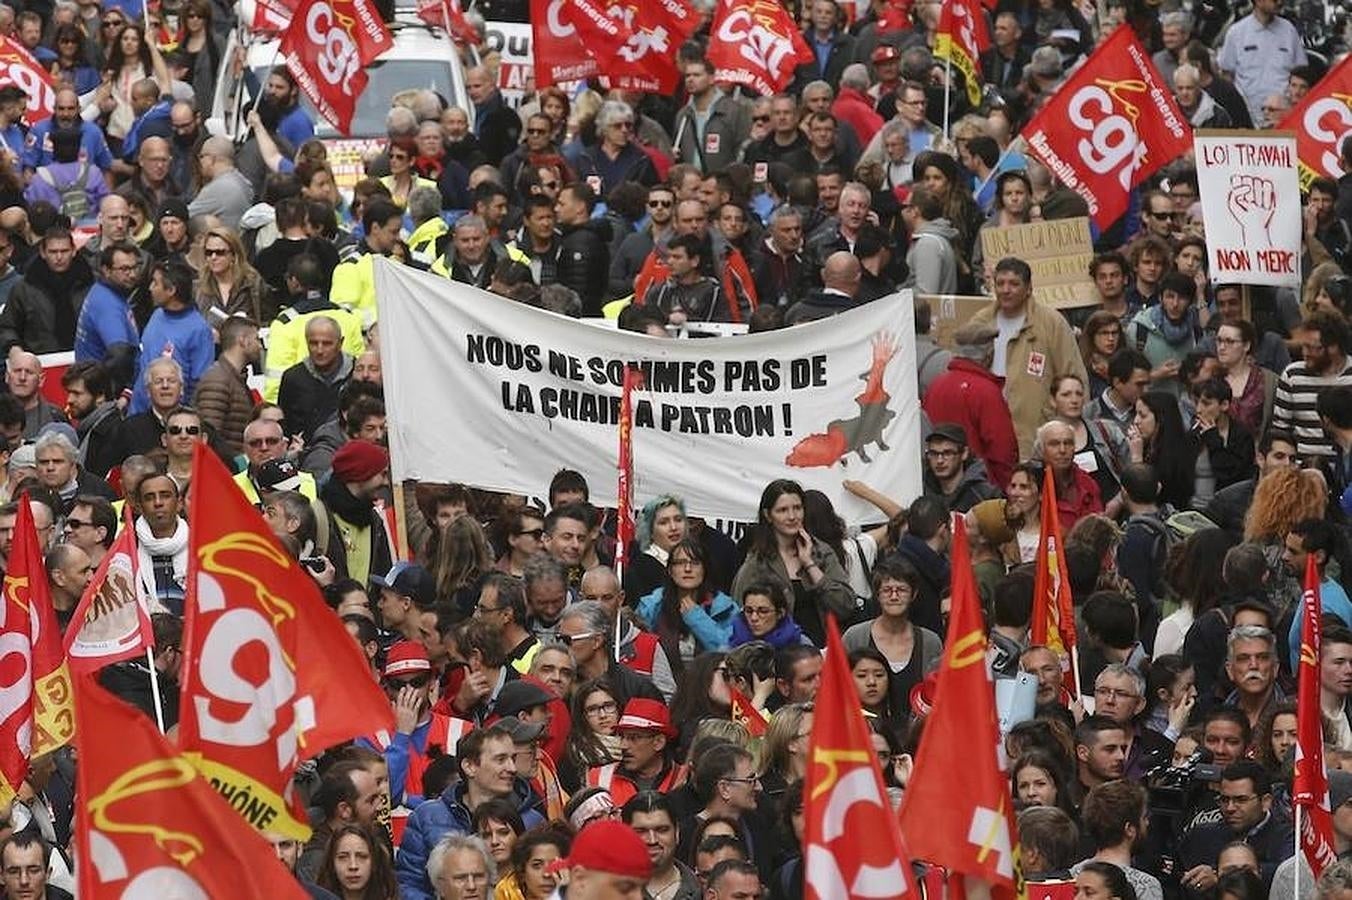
[315,564]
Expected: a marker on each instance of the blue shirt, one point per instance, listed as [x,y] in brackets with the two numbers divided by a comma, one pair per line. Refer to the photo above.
[37,149]
[154,122]
[296,127]
[1333,599]
[105,321]
[822,50]
[13,137]
[183,335]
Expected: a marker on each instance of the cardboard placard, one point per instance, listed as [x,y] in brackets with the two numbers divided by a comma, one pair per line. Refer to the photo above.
[1059,253]
[949,312]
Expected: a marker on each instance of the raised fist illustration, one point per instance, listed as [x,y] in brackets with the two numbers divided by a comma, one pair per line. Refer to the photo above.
[1253,202]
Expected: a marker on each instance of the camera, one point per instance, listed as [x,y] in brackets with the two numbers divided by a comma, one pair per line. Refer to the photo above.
[1171,789]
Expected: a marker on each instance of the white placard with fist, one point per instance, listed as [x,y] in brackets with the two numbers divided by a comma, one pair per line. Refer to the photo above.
[1250,195]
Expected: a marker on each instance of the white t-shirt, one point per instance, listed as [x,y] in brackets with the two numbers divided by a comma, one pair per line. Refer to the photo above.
[1009,327]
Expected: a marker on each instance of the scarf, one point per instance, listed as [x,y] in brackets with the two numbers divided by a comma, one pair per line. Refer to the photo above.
[1174,332]
[148,547]
[344,505]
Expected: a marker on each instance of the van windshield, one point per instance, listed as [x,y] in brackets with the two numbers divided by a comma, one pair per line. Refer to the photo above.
[385,79]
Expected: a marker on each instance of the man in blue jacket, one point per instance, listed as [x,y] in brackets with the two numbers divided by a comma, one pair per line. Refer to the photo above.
[106,331]
[488,766]
[176,329]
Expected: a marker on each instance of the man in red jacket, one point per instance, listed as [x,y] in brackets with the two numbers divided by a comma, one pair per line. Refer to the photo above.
[970,395]
[854,106]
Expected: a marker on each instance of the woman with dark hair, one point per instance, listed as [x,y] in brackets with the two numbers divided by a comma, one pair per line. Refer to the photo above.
[1274,738]
[592,740]
[198,45]
[939,173]
[1100,338]
[787,881]
[856,553]
[1013,205]
[1103,881]
[1194,572]
[1157,437]
[498,823]
[1252,387]
[1170,691]
[1023,512]
[531,874]
[1038,779]
[870,670]
[1241,884]
[909,652]
[765,616]
[687,614]
[702,694]
[1101,448]
[129,61]
[781,548]
[462,560]
[72,65]
[357,866]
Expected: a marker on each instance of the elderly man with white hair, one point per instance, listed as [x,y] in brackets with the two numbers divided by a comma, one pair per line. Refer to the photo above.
[1077,494]
[1196,104]
[615,158]
[59,469]
[461,868]
[496,124]
[854,106]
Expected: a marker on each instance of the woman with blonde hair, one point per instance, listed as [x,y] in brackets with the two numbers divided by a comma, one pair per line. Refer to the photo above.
[227,284]
[1282,498]
[462,559]
[784,753]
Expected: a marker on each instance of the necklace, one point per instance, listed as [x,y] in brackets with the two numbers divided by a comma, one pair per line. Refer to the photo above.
[671,885]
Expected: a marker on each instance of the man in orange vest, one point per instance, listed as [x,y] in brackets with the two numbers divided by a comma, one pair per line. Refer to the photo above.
[647,748]
[420,734]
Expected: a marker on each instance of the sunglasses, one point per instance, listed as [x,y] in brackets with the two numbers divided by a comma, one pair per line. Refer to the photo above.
[217,251]
[264,442]
[185,429]
[536,533]
[395,684]
[659,204]
[568,639]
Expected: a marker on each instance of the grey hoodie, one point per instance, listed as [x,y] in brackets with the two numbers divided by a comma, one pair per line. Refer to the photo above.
[933,265]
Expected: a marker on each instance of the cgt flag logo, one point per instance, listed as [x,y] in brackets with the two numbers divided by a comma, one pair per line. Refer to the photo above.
[560,55]
[19,68]
[1124,124]
[755,43]
[647,61]
[326,46]
[1322,120]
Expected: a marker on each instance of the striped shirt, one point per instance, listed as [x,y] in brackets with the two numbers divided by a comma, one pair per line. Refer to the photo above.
[1294,406]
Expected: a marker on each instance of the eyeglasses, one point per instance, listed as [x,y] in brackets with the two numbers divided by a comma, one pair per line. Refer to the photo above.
[394,684]
[1115,693]
[659,204]
[758,611]
[895,590]
[569,639]
[685,563]
[753,779]
[263,442]
[942,454]
[217,251]
[536,533]
[625,126]
[1224,340]
[193,430]
[190,14]
[128,268]
[72,524]
[480,608]
[112,23]
[610,707]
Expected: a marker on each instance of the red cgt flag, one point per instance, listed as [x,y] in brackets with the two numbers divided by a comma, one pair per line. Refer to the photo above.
[326,46]
[1111,126]
[852,847]
[647,61]
[958,812]
[756,43]
[447,14]
[961,38]
[745,713]
[270,676]
[1321,120]
[1310,789]
[19,68]
[148,824]
[112,622]
[271,16]
[1053,606]
[559,52]
[36,695]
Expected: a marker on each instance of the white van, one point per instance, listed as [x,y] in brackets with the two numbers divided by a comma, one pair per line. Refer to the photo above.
[422,57]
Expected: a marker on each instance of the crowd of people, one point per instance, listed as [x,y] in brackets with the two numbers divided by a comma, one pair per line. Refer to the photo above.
[566,726]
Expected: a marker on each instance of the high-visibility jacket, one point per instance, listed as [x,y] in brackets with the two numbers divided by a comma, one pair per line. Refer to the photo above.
[622,786]
[407,756]
[286,338]
[307,486]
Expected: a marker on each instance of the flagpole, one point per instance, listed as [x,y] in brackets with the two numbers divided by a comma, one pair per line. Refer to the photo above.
[948,83]
[155,688]
[1299,860]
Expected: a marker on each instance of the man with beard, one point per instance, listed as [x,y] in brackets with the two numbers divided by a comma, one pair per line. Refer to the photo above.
[1246,815]
[293,123]
[1114,818]
[188,136]
[649,813]
[98,421]
[66,114]
[43,307]
[223,396]
[1100,753]
[354,539]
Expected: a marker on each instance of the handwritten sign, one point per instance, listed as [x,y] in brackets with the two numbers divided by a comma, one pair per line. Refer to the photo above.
[1059,253]
[1250,192]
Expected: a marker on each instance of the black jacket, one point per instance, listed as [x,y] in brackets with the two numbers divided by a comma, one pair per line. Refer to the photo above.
[100,435]
[130,681]
[819,305]
[780,280]
[30,317]
[584,263]
[499,129]
[307,400]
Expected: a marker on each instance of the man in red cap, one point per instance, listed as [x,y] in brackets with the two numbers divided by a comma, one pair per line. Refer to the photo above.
[647,744]
[351,532]
[420,733]
[608,862]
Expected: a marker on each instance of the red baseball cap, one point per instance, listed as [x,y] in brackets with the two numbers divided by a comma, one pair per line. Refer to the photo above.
[407,658]
[611,846]
[642,714]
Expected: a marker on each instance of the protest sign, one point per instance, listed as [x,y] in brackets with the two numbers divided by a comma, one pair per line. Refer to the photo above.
[1250,192]
[1059,253]
[949,312]
[499,395]
[516,61]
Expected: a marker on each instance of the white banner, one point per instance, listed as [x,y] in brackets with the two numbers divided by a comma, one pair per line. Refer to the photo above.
[498,395]
[516,65]
[1250,191]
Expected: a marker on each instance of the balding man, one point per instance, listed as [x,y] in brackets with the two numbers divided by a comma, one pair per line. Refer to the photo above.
[114,221]
[497,125]
[153,179]
[23,377]
[151,101]
[66,114]
[225,192]
[840,280]
[309,391]
[68,572]
[1077,494]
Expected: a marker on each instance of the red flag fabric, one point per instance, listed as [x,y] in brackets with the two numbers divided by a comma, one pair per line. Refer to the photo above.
[625,486]
[647,61]
[19,68]
[654,271]
[1321,120]
[559,52]
[746,714]
[35,698]
[111,622]
[447,14]
[326,47]
[148,824]
[852,847]
[1310,789]
[1053,606]
[609,38]
[271,16]
[958,812]
[756,43]
[270,675]
[895,16]
[1112,125]
[961,38]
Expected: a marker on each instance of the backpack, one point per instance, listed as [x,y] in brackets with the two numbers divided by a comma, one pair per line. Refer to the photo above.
[74,198]
[1169,531]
